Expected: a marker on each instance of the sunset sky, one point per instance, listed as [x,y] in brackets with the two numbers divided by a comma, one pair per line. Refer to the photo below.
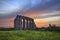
[43,12]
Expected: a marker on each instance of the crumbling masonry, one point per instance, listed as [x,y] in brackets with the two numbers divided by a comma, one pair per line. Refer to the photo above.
[24,23]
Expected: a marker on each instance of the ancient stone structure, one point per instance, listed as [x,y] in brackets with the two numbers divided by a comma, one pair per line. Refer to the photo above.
[24,23]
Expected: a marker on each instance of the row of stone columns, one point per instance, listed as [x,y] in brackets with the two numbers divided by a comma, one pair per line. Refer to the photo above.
[23,23]
[26,24]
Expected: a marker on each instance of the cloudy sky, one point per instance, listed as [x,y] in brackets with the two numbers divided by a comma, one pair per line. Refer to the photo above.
[43,12]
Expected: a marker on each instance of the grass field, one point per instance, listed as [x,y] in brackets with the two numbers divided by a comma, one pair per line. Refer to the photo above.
[29,35]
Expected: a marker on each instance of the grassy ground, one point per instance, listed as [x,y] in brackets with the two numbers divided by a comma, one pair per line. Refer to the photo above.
[29,35]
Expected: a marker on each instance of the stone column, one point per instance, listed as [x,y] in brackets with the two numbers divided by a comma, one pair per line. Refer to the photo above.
[26,24]
[20,24]
[32,24]
[23,24]
[17,24]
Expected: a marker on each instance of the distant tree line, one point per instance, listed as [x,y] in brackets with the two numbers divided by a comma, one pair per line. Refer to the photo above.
[6,29]
[49,28]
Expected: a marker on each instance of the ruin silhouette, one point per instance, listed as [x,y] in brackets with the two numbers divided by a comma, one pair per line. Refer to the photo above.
[24,23]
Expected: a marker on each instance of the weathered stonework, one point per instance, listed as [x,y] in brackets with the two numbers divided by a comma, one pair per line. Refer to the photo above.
[24,23]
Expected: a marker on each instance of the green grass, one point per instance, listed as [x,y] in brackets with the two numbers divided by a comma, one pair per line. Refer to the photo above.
[29,35]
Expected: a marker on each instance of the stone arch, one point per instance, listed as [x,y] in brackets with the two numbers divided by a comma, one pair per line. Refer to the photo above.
[24,23]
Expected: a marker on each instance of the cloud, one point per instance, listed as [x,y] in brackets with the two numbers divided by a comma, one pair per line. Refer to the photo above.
[55,7]
[47,15]
[35,6]
[45,5]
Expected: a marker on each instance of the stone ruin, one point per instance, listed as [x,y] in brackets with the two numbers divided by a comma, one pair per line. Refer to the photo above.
[24,23]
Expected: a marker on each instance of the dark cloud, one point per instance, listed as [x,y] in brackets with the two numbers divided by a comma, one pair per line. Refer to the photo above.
[55,7]
[45,5]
